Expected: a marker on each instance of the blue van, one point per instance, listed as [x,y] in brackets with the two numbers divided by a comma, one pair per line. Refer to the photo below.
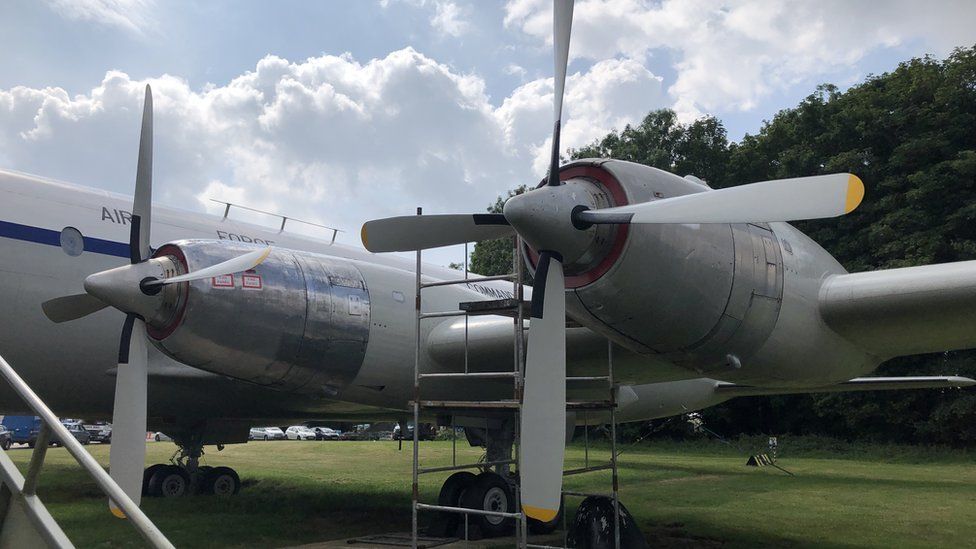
[23,428]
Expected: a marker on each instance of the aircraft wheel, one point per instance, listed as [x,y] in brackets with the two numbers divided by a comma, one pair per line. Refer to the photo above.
[222,481]
[157,438]
[6,444]
[490,492]
[146,475]
[450,496]
[169,481]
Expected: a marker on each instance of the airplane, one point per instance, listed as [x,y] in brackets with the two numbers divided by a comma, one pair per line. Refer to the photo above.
[704,295]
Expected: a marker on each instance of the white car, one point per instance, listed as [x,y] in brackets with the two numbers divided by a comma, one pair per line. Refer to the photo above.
[299,432]
[266,433]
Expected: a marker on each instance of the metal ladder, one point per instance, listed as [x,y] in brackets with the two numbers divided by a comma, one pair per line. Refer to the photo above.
[516,308]
[24,520]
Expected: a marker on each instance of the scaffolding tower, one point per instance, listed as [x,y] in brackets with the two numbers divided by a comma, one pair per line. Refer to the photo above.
[516,308]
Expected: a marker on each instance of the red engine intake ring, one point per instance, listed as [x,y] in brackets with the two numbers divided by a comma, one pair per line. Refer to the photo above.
[160,334]
[618,198]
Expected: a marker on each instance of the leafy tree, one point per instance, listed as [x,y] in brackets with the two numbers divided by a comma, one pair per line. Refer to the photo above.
[494,257]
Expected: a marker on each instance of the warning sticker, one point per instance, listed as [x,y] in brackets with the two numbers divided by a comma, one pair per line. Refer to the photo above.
[251,281]
[223,281]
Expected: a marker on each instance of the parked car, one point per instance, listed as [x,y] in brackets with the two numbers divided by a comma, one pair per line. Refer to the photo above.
[23,429]
[266,433]
[100,431]
[77,430]
[6,439]
[325,433]
[299,432]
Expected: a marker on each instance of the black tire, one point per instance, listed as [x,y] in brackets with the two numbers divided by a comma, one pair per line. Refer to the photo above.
[169,481]
[593,527]
[450,496]
[157,438]
[222,481]
[537,527]
[146,475]
[6,444]
[265,437]
[490,492]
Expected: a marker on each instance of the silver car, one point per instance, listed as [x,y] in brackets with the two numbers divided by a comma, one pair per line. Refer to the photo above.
[266,433]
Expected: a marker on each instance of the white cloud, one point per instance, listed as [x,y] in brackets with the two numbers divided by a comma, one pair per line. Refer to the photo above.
[328,139]
[730,54]
[449,19]
[131,15]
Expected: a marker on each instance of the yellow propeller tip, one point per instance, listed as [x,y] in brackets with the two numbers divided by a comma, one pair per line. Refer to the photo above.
[362,235]
[540,514]
[117,512]
[855,193]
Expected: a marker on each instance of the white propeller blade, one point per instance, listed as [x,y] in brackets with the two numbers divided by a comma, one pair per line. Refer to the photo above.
[543,421]
[127,455]
[142,200]
[420,232]
[792,199]
[562,24]
[238,264]
[71,307]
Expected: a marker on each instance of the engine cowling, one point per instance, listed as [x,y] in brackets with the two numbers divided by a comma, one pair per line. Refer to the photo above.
[298,322]
[710,294]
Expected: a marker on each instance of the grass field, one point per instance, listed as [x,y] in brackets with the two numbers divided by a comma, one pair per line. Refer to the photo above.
[683,495]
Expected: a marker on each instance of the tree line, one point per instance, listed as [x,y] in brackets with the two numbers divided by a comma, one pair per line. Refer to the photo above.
[910,135]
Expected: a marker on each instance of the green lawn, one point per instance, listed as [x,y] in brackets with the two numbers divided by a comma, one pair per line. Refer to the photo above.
[683,495]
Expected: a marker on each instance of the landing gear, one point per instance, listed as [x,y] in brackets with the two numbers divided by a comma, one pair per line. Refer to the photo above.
[221,481]
[490,492]
[184,475]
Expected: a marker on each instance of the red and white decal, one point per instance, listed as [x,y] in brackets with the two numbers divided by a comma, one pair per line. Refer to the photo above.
[251,281]
[223,281]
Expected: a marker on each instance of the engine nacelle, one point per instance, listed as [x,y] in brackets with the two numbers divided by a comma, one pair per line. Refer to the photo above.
[710,294]
[298,322]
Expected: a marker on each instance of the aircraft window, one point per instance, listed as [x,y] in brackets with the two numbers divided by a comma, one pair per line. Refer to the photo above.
[398,296]
[72,242]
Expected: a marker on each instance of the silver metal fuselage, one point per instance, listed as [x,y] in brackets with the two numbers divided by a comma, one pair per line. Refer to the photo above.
[677,303]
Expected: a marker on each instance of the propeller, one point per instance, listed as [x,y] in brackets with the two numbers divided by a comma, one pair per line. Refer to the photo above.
[127,455]
[133,289]
[550,219]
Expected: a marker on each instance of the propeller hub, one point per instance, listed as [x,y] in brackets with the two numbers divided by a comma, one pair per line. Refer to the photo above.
[122,288]
[544,217]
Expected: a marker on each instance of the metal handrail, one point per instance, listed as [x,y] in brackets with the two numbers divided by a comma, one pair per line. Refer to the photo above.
[139,520]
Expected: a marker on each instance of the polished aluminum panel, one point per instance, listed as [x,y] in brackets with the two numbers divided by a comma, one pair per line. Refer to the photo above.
[298,322]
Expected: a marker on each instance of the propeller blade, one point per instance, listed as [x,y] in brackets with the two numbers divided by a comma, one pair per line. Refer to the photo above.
[142,200]
[419,232]
[238,264]
[127,455]
[562,25]
[543,421]
[71,307]
[815,197]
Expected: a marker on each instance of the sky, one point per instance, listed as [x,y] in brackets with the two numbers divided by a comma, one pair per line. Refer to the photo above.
[342,111]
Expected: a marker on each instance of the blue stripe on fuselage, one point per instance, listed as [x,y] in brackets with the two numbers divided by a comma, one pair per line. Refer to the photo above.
[53,238]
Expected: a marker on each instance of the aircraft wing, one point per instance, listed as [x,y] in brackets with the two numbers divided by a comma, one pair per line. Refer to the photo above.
[850,386]
[907,311]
